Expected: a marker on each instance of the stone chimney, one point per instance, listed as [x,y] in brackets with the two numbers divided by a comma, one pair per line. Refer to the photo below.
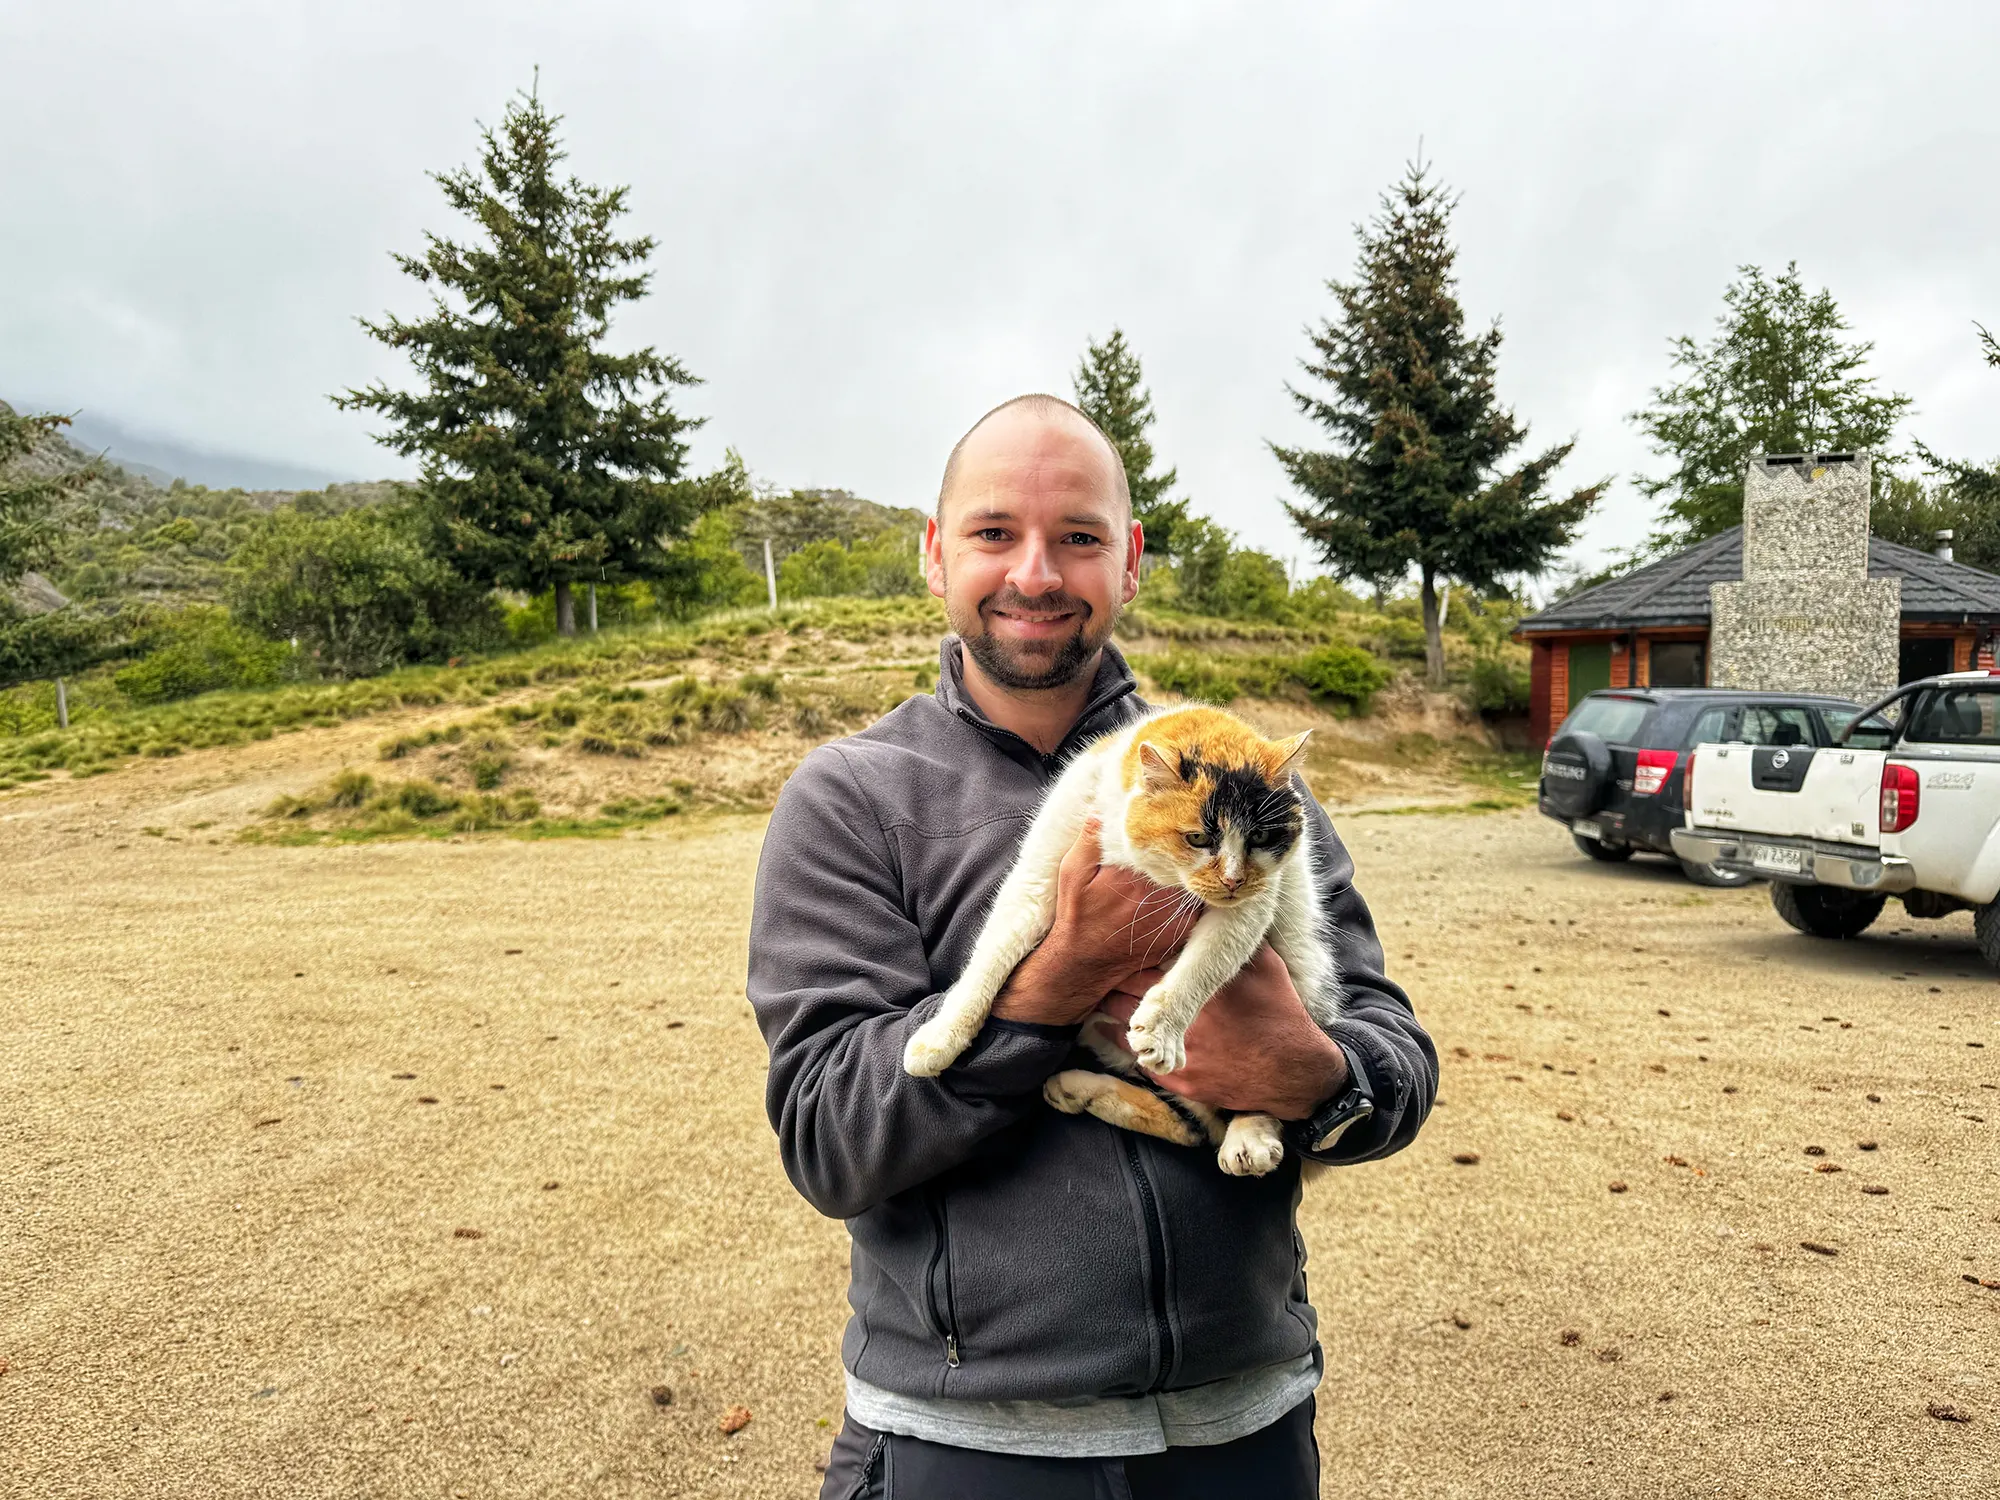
[1806,616]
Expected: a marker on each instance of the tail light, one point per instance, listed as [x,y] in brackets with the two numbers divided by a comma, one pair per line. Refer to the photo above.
[1654,767]
[1899,798]
[1687,782]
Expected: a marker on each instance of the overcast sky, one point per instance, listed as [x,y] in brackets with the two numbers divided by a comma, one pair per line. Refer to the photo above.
[875,221]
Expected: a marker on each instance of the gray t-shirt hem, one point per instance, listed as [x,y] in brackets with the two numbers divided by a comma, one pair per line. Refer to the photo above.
[1096,1426]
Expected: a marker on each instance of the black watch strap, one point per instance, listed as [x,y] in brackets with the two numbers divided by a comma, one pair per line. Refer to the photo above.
[1332,1119]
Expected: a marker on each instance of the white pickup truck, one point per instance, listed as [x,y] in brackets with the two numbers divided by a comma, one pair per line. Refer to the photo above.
[1906,803]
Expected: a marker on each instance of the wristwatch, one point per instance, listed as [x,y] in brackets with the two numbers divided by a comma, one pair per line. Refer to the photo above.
[1330,1121]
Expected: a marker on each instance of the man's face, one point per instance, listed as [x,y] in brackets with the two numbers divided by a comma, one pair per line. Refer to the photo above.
[1034,554]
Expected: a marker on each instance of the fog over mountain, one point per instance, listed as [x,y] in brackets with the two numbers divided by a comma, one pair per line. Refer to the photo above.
[876,221]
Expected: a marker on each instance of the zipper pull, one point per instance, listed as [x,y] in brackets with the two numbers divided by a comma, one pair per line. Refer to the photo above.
[951,1350]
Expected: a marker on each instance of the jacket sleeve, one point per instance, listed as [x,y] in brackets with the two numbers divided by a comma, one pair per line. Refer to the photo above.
[839,979]
[1378,1028]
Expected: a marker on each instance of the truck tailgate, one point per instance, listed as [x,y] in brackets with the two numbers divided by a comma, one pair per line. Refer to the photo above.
[1791,791]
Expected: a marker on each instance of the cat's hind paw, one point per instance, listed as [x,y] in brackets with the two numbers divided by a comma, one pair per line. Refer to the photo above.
[931,1049]
[1070,1091]
[1252,1146]
[1159,1044]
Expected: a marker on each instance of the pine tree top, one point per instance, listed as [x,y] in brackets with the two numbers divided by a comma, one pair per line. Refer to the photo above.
[1407,395]
[552,458]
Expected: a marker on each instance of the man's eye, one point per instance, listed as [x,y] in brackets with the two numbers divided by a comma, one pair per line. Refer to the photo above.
[1083,539]
[991,534]
[1198,841]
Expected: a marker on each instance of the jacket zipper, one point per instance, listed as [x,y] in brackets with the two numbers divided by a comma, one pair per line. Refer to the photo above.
[944,1317]
[1156,1246]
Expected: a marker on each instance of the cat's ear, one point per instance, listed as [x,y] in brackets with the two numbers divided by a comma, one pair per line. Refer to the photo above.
[1154,768]
[1289,755]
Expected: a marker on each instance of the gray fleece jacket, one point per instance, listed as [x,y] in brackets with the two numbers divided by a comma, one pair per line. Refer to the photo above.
[1002,1250]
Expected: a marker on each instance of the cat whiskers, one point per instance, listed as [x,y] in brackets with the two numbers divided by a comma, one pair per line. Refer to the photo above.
[1182,904]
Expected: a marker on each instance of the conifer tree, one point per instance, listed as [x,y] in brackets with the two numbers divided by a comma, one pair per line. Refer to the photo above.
[1776,378]
[1413,479]
[1109,390]
[551,460]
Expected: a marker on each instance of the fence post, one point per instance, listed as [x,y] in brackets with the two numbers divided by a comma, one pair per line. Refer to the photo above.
[770,573]
[62,705]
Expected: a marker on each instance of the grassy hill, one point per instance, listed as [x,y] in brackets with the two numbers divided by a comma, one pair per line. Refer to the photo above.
[596,734]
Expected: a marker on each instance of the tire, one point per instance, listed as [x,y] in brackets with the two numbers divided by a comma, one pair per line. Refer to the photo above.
[1577,775]
[1986,927]
[1597,849]
[1713,875]
[1821,912]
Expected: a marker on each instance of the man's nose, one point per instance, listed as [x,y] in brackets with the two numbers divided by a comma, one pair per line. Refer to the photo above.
[1034,573]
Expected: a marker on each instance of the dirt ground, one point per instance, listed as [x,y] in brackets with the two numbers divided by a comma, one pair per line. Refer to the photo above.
[241,1256]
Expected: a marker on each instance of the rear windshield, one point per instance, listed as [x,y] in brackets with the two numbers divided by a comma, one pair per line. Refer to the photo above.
[1609,718]
[1967,715]
[1875,734]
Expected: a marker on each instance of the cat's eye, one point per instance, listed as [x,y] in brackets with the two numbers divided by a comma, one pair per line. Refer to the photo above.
[1198,841]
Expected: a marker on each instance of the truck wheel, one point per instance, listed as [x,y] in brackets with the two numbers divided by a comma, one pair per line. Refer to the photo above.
[1597,849]
[1823,912]
[1986,927]
[1714,875]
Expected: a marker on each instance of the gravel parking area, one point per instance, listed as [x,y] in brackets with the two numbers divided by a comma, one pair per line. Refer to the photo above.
[440,1169]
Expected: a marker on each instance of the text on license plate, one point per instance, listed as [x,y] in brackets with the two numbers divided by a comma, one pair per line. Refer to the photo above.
[1776,857]
[1584,829]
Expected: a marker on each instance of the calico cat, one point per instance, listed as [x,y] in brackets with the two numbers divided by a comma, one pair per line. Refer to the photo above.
[1191,798]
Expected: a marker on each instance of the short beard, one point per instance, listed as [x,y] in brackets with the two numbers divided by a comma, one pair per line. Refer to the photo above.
[1025,668]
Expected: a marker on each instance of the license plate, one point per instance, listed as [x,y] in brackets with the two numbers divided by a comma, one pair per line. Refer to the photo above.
[1586,830]
[1777,857]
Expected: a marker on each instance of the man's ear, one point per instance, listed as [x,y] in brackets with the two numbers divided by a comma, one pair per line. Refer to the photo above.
[1135,549]
[1289,755]
[933,557]
[1156,770]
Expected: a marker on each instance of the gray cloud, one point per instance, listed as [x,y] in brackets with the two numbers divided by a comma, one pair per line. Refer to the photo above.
[875,221]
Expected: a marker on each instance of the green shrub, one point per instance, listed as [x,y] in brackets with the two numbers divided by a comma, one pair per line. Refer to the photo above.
[1344,674]
[1397,637]
[1194,677]
[422,799]
[200,650]
[820,570]
[1498,686]
[361,592]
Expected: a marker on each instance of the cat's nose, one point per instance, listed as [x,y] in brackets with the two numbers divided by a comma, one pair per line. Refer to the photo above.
[1231,882]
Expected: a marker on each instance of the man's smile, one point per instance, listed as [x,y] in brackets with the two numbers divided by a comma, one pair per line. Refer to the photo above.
[1032,624]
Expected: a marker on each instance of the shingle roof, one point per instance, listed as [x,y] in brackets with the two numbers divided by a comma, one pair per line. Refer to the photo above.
[1674,590]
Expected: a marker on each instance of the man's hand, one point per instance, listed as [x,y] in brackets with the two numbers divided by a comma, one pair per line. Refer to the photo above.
[1253,1048]
[1110,923]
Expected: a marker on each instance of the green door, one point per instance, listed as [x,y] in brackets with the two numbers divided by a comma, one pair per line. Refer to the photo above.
[1589,669]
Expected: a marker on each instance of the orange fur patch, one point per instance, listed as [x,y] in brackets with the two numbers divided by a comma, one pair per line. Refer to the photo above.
[1216,738]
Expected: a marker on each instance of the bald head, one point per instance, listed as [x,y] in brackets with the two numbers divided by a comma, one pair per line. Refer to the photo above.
[1033,429]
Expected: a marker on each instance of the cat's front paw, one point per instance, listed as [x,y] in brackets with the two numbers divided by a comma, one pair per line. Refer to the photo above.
[931,1049]
[1159,1044]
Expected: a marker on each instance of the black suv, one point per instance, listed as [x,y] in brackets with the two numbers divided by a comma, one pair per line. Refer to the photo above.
[1614,773]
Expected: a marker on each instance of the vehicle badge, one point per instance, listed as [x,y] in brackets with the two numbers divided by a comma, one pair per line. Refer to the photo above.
[1782,759]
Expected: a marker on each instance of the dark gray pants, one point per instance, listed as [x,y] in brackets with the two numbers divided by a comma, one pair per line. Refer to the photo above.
[1279,1463]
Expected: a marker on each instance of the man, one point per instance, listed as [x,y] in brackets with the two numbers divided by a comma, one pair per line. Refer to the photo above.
[1044,1305]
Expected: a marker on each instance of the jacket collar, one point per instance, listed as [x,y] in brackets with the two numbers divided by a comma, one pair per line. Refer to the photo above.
[1114,682]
